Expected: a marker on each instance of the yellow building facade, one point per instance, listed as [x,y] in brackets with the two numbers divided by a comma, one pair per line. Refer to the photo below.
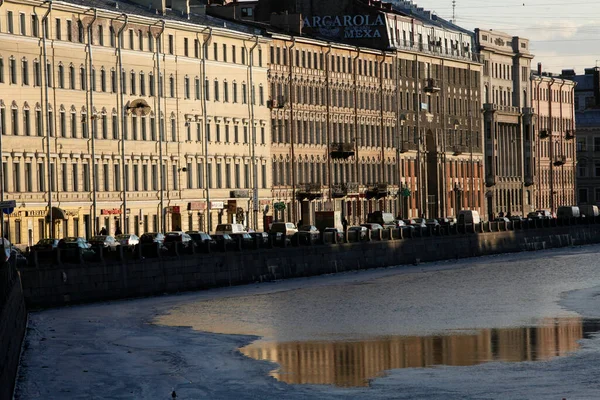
[203,88]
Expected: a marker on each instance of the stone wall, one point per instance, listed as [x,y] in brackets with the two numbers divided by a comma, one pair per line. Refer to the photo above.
[65,284]
[13,320]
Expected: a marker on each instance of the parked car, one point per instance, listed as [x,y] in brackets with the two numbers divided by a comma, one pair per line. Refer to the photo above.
[502,219]
[414,223]
[337,232]
[545,214]
[179,237]
[568,212]
[468,217]
[230,228]
[247,240]
[358,232]
[77,243]
[372,226]
[589,210]
[446,221]
[106,241]
[432,222]
[278,240]
[381,218]
[289,228]
[224,241]
[263,238]
[201,238]
[152,237]
[308,234]
[127,241]
[516,218]
[45,245]
[17,256]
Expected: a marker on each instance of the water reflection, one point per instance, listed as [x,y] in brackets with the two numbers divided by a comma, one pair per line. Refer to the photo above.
[353,363]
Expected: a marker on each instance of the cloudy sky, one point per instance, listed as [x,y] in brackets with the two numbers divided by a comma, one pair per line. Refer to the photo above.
[564,34]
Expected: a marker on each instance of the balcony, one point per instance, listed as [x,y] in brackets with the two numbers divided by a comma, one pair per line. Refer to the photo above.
[569,135]
[341,150]
[351,188]
[431,86]
[460,149]
[338,191]
[279,102]
[559,161]
[407,146]
[309,191]
[377,191]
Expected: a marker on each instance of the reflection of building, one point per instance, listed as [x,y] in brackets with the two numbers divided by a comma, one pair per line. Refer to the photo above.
[508,115]
[553,141]
[173,70]
[354,363]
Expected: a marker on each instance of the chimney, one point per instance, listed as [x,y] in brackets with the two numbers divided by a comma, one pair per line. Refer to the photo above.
[539,69]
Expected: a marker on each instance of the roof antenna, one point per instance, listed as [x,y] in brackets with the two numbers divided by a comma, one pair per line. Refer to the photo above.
[453,9]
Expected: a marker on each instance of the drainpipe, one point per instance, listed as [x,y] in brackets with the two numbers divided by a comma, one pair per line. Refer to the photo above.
[161,128]
[292,130]
[355,71]
[124,225]
[207,175]
[46,77]
[381,123]
[253,140]
[328,120]
[551,140]
[92,124]
[562,152]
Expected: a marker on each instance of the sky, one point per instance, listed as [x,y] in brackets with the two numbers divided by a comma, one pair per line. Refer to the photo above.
[564,34]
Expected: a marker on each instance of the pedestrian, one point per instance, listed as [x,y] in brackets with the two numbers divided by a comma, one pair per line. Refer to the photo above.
[103,231]
[345,224]
[118,231]
[501,214]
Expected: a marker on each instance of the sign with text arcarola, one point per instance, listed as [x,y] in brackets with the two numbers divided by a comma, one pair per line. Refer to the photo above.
[346,26]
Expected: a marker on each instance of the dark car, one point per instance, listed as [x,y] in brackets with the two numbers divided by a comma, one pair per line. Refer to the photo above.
[308,234]
[445,221]
[76,243]
[224,241]
[179,237]
[340,235]
[358,233]
[263,238]
[152,237]
[45,245]
[201,239]
[372,226]
[247,240]
[106,241]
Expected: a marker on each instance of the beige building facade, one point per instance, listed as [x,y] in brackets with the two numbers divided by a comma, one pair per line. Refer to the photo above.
[199,154]
[553,141]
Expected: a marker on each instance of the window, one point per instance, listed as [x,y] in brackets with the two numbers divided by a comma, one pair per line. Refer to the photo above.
[244,94]
[112,35]
[73,125]
[197,89]
[9,22]
[206,89]
[82,78]
[583,196]
[173,130]
[75,176]
[132,82]
[171,44]
[63,124]
[80,35]
[216,95]
[17,176]
[175,177]
[103,80]
[57,32]
[172,86]
[234,90]
[69,30]
[117,178]
[41,177]
[34,27]
[15,121]
[12,70]
[100,35]
[136,182]
[597,144]
[185,47]
[25,72]
[28,177]
[61,76]
[186,87]
[1,70]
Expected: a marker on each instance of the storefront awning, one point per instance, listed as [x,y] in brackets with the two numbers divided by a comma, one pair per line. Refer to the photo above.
[57,213]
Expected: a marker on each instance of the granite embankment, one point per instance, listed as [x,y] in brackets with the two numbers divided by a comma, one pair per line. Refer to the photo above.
[13,320]
[116,276]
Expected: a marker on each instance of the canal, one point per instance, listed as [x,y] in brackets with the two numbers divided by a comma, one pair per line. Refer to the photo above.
[510,326]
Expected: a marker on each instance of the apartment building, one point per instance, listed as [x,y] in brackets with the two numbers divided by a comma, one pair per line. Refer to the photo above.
[132,118]
[508,114]
[553,145]
[358,127]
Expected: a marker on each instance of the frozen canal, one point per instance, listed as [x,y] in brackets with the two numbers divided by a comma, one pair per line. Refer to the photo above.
[521,326]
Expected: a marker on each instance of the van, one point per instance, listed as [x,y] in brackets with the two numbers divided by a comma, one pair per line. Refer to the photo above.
[229,229]
[382,218]
[568,212]
[468,217]
[288,228]
[589,211]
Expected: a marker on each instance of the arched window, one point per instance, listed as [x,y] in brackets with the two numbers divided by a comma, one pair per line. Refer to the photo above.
[171,86]
[142,84]
[14,119]
[73,122]
[61,76]
[82,78]
[103,79]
